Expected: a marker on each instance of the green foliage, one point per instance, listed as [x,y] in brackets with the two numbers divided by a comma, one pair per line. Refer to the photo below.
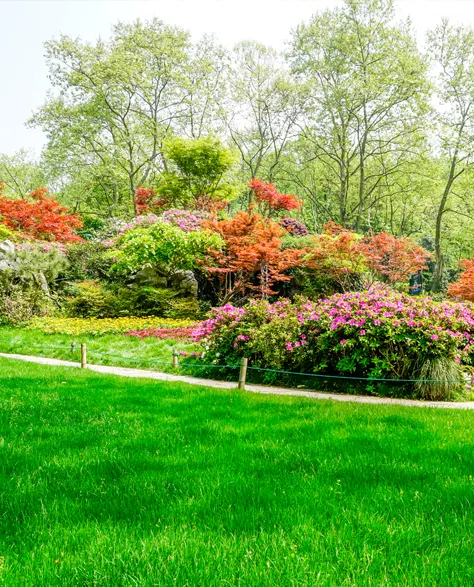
[184,308]
[200,169]
[93,299]
[90,299]
[20,302]
[163,246]
[6,233]
[88,260]
[92,226]
[37,257]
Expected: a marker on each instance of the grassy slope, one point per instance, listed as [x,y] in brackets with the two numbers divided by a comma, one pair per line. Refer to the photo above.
[108,481]
[35,342]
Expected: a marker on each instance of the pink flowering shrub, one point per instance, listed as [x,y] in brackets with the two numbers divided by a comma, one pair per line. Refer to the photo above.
[184,219]
[377,334]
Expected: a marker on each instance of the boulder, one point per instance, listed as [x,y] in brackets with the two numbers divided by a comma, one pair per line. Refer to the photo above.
[7,249]
[8,256]
[150,276]
[184,282]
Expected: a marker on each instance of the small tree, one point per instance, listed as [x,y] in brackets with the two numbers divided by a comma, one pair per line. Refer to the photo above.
[199,173]
[146,200]
[270,201]
[391,258]
[252,260]
[463,289]
[336,254]
[40,217]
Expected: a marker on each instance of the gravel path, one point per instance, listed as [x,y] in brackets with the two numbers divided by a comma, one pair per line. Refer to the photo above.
[263,389]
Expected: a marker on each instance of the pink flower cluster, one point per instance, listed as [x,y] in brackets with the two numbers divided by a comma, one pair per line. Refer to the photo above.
[184,219]
[377,332]
[42,247]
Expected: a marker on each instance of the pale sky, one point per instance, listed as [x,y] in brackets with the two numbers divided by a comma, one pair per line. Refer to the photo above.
[26,24]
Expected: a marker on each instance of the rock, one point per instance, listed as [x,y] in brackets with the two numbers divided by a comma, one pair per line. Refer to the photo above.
[149,276]
[7,249]
[8,256]
[184,282]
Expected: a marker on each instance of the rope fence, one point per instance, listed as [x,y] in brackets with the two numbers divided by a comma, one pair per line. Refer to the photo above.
[244,367]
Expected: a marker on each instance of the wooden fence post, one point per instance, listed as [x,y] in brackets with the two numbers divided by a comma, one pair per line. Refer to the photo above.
[175,360]
[83,356]
[243,373]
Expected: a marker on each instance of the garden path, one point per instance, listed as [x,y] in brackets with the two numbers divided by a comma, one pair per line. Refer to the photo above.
[263,389]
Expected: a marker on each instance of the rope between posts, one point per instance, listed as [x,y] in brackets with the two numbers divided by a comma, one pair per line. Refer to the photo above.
[72,348]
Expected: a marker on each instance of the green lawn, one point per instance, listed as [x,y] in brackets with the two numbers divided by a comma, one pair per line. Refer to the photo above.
[107,349]
[109,481]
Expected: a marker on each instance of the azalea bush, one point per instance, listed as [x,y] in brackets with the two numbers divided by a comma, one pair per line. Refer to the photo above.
[98,326]
[379,334]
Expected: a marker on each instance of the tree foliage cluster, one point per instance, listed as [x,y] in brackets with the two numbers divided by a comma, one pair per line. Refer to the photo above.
[365,128]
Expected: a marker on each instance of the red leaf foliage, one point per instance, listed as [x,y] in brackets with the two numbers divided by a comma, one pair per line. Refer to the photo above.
[394,258]
[343,256]
[252,259]
[42,218]
[463,289]
[146,200]
[336,255]
[269,198]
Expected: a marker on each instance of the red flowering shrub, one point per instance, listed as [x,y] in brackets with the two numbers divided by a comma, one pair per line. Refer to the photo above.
[41,217]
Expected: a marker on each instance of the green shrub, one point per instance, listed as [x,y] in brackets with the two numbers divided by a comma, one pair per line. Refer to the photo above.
[87,261]
[163,246]
[184,308]
[143,301]
[5,233]
[20,303]
[90,299]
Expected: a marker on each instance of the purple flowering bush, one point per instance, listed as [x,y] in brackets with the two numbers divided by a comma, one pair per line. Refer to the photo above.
[184,219]
[377,334]
[294,227]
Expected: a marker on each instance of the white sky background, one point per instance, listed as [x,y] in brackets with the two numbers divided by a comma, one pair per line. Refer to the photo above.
[26,24]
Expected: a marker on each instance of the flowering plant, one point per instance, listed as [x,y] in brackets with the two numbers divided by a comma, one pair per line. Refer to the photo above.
[98,326]
[372,334]
[184,333]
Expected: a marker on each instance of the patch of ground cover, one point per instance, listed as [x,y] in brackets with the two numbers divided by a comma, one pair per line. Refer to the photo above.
[109,481]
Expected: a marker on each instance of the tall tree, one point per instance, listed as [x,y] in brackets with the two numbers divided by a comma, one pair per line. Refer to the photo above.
[366,88]
[118,101]
[20,174]
[452,49]
[263,107]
